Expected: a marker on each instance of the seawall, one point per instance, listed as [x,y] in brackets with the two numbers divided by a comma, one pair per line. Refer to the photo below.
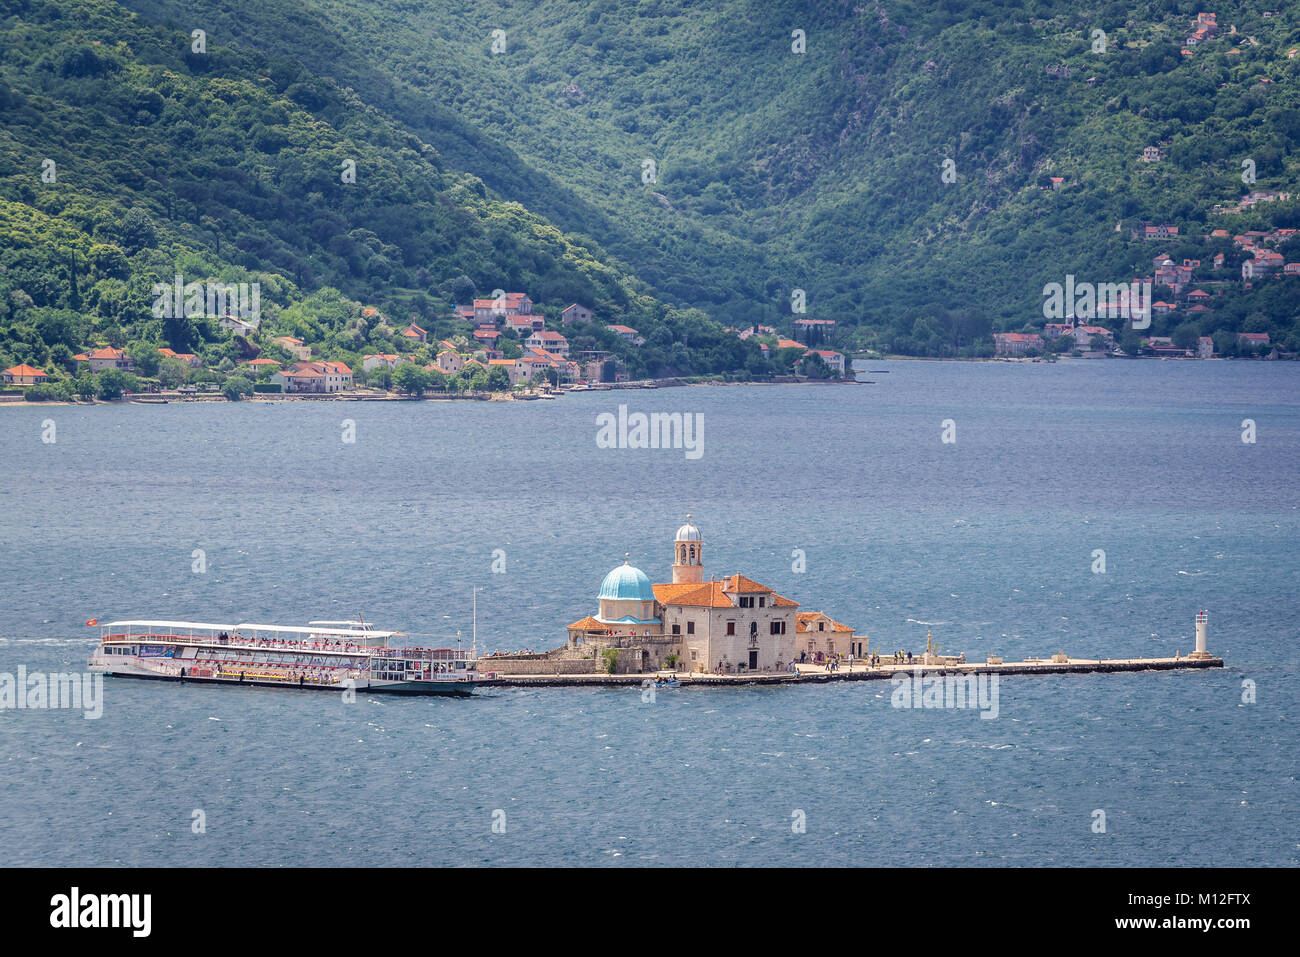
[814,675]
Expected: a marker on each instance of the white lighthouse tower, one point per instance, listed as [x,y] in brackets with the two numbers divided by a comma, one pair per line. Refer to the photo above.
[688,554]
[1202,626]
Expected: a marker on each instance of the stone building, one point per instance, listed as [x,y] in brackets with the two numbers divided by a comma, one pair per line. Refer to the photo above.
[733,625]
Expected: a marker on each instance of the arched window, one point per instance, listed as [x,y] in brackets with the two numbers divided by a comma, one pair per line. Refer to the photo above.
[683,560]
[692,554]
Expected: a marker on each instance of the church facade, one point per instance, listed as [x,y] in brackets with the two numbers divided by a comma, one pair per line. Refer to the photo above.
[733,625]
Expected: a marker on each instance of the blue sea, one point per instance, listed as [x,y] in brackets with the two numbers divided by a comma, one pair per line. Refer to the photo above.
[989,543]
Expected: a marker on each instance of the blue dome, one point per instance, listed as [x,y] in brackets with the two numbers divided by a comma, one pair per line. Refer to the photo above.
[626,583]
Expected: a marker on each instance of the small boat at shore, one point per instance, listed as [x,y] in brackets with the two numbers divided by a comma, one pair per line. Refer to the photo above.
[323,656]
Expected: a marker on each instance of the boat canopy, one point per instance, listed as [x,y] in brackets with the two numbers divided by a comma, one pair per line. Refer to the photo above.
[185,625]
[334,632]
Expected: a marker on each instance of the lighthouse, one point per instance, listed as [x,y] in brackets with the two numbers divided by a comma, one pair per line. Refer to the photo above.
[1202,626]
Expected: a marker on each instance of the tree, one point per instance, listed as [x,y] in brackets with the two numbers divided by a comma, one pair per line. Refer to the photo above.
[498,379]
[236,387]
[113,382]
[145,357]
[137,232]
[410,378]
[172,372]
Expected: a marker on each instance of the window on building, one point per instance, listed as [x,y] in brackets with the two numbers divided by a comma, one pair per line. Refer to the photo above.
[821,626]
[761,602]
[690,628]
[731,627]
[677,629]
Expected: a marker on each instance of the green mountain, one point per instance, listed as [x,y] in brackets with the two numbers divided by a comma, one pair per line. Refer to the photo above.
[130,158]
[920,173]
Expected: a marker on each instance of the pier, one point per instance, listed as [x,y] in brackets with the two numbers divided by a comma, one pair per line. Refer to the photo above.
[818,674]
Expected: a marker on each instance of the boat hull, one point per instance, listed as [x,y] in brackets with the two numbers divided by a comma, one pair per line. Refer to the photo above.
[449,689]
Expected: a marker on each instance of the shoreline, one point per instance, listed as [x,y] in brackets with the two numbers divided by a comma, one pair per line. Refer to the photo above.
[176,398]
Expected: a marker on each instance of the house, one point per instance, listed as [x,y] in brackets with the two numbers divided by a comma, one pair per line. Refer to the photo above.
[1252,340]
[24,375]
[238,326]
[294,347]
[487,334]
[818,637]
[1205,348]
[627,334]
[789,344]
[319,377]
[257,365]
[835,360]
[1015,343]
[574,313]
[449,363]
[1151,154]
[387,359]
[521,326]
[1083,338]
[1257,268]
[1163,346]
[1158,231]
[107,358]
[415,333]
[1054,330]
[1162,308]
[189,358]
[550,341]
[509,304]
[1291,269]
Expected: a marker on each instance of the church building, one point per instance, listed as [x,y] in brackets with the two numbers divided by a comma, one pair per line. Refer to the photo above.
[733,625]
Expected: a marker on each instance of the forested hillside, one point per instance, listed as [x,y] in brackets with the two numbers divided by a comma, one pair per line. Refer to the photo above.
[128,158]
[823,170]
[676,166]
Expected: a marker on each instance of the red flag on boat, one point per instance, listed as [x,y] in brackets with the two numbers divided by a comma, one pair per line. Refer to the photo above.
[93,622]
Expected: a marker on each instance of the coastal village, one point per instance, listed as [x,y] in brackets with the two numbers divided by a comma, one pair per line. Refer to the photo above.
[504,346]
[1192,288]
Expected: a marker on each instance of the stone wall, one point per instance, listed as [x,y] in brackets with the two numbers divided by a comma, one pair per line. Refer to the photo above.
[539,665]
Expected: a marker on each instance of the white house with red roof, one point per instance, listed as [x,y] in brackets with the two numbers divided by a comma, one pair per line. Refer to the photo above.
[627,334]
[550,341]
[388,359]
[834,360]
[295,347]
[1017,343]
[106,358]
[509,304]
[321,377]
[23,374]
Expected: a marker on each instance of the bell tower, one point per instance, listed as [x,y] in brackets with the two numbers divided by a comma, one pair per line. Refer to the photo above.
[688,554]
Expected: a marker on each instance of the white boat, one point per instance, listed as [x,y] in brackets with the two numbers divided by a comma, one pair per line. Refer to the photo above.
[320,656]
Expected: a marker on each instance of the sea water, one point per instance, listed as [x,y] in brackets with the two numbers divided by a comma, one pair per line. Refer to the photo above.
[846,499]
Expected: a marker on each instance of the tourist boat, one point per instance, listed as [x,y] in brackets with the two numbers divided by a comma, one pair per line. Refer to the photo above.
[321,656]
